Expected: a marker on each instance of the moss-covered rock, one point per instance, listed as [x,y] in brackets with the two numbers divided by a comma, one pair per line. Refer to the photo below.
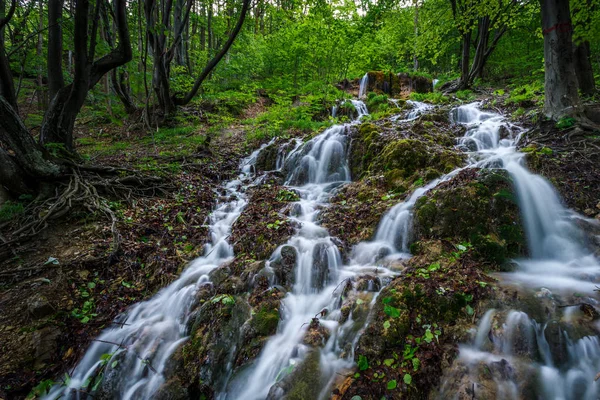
[266,160]
[416,322]
[477,207]
[303,382]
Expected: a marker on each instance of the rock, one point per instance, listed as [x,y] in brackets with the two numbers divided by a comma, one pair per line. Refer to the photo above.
[39,307]
[45,342]
[368,283]
[316,335]
[304,382]
[320,268]
[267,158]
[284,266]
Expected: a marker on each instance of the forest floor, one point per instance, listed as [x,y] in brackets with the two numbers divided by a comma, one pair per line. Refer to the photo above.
[60,289]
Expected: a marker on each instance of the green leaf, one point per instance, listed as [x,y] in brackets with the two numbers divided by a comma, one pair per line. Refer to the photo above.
[469,310]
[363,364]
[114,364]
[91,285]
[388,362]
[407,379]
[391,385]
[386,325]
[392,311]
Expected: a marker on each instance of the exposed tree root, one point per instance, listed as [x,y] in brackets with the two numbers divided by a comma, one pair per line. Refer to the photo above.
[82,192]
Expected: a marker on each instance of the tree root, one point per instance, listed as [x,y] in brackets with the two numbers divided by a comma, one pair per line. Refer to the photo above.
[82,191]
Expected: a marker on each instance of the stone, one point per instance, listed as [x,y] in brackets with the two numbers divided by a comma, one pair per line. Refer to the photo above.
[284,266]
[39,307]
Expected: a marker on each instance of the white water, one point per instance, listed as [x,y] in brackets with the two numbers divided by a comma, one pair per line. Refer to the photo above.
[418,108]
[364,84]
[149,332]
[558,262]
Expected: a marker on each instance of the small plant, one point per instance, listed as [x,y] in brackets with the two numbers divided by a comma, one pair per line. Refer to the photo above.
[275,225]
[287,195]
[565,122]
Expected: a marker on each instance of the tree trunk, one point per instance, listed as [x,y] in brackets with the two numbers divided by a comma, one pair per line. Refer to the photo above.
[59,120]
[583,69]
[7,87]
[465,61]
[54,62]
[561,93]
[29,156]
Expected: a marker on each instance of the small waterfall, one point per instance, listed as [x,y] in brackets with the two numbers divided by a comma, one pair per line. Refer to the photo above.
[558,261]
[334,111]
[418,108]
[361,109]
[314,170]
[558,258]
[142,340]
[364,85]
[434,82]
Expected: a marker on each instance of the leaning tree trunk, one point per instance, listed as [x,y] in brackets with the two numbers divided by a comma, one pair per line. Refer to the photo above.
[561,94]
[583,69]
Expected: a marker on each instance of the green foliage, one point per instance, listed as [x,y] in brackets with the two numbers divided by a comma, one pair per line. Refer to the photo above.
[363,364]
[433,97]
[565,122]
[526,95]
[287,195]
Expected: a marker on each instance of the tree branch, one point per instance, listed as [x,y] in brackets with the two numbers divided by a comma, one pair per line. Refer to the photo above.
[215,60]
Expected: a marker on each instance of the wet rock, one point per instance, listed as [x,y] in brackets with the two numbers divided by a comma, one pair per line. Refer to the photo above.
[368,283]
[173,389]
[39,307]
[215,339]
[284,266]
[477,207]
[304,382]
[320,267]
[267,158]
[316,335]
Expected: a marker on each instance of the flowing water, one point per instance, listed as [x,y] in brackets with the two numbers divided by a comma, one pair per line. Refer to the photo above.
[143,339]
[314,170]
[525,356]
[364,85]
[150,331]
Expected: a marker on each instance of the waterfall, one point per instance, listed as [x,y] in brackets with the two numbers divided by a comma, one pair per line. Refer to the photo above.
[143,338]
[558,262]
[418,108]
[364,85]
[315,169]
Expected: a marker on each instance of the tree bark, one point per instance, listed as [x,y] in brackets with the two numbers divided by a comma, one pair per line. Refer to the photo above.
[561,96]
[30,157]
[583,69]
[7,87]
[54,62]
[59,120]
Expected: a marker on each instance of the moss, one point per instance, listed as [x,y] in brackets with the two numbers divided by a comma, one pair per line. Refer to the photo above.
[476,207]
[435,296]
[306,379]
[265,321]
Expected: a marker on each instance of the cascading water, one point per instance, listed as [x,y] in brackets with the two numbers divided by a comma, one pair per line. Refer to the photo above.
[364,85]
[144,338]
[558,262]
[418,108]
[313,170]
